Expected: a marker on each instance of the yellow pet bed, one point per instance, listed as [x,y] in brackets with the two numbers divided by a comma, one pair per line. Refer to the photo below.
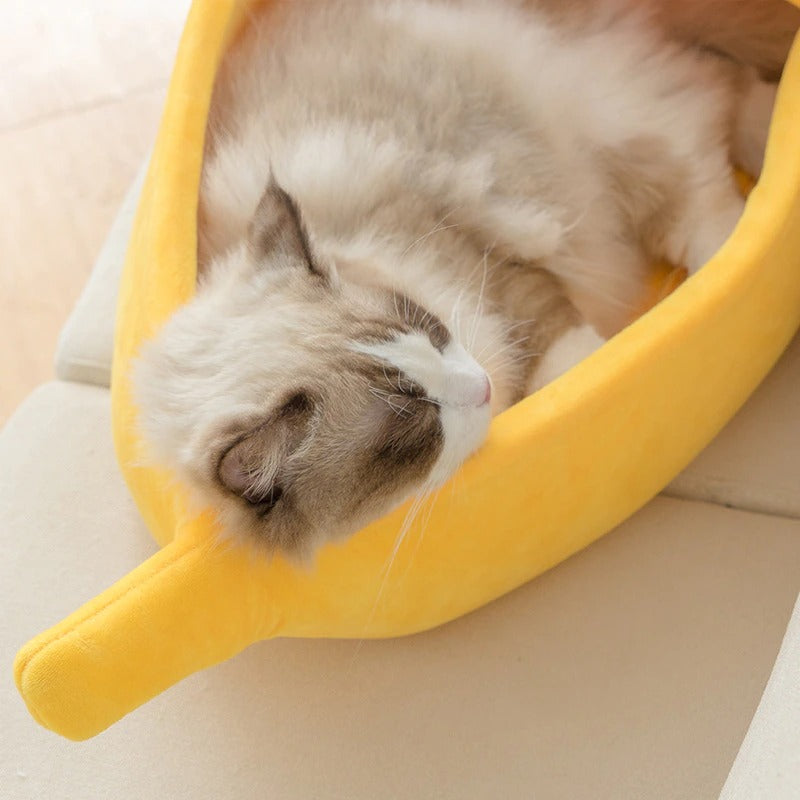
[558,470]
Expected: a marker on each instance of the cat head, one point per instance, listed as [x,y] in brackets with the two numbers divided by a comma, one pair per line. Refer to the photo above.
[299,406]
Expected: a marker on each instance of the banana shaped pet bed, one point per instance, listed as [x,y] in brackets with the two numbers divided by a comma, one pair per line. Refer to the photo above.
[558,470]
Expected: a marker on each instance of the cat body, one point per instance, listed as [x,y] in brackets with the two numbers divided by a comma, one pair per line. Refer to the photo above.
[414,213]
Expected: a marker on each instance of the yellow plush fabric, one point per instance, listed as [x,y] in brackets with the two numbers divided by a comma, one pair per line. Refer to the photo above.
[558,470]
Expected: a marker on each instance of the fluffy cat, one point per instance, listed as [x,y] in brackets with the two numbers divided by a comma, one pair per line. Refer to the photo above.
[412,215]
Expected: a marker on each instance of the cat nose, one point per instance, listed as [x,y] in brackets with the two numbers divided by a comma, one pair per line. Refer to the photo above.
[487,391]
[480,391]
[468,387]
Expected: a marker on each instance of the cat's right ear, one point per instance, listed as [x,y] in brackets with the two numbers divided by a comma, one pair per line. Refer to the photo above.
[278,234]
[253,466]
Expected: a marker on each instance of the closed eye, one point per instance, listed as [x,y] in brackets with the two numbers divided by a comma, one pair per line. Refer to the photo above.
[438,334]
[412,390]
[299,403]
[263,504]
[428,324]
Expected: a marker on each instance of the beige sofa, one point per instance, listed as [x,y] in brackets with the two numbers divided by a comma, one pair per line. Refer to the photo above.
[631,671]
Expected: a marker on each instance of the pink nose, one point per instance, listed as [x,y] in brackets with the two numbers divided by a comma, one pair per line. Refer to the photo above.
[480,392]
[487,395]
[469,389]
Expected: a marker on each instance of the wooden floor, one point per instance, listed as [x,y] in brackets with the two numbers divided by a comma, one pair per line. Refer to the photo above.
[81,90]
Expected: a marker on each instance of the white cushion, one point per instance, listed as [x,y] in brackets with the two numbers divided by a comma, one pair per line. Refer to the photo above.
[754,463]
[768,764]
[632,670]
[86,343]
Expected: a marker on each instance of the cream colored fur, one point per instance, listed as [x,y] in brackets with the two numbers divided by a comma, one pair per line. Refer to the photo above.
[449,154]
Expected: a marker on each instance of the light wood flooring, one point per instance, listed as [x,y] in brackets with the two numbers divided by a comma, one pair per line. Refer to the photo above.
[81,90]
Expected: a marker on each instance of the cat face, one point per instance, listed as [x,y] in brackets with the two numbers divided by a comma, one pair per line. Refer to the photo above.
[301,408]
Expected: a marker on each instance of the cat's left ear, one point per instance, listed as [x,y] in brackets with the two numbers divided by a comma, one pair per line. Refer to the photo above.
[279,236]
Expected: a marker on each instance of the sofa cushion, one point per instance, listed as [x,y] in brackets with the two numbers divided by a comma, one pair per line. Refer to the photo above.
[754,463]
[631,670]
[768,764]
[86,343]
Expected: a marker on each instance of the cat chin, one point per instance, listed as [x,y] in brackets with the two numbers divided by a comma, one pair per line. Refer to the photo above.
[465,429]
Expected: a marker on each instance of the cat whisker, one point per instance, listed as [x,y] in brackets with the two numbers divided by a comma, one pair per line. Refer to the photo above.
[435,229]
[432,500]
[400,411]
[516,325]
[497,364]
[503,338]
[411,515]
[479,309]
[382,394]
[508,346]
[455,318]
[455,314]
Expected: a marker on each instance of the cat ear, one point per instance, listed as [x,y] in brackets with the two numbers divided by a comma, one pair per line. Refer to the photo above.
[278,232]
[249,468]
[253,464]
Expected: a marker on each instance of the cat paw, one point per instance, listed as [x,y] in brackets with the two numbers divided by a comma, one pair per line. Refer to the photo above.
[710,219]
[567,351]
[710,234]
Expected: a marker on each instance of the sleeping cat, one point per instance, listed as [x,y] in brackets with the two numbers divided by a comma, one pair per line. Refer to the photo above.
[412,215]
